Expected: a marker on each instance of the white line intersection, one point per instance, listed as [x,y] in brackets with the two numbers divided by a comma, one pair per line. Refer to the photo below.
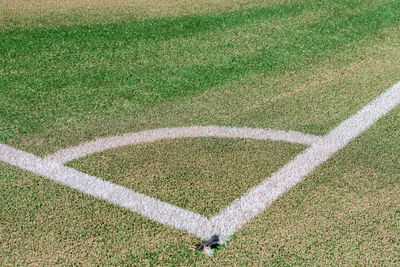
[243,209]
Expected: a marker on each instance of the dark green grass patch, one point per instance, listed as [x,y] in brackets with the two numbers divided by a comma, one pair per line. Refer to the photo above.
[202,174]
[53,75]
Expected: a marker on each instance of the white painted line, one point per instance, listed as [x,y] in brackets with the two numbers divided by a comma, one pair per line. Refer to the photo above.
[102,144]
[149,207]
[258,198]
[241,210]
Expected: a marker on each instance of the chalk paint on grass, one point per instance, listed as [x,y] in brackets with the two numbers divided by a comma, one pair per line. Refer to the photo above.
[243,209]
[102,144]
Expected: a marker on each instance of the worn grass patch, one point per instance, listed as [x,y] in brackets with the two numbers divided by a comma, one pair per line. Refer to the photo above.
[45,13]
[199,174]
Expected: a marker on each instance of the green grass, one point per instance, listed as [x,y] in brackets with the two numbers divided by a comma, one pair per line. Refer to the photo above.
[344,213]
[293,65]
[54,75]
[204,175]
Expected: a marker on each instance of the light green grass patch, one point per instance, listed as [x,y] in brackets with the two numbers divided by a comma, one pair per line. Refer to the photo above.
[45,13]
[203,175]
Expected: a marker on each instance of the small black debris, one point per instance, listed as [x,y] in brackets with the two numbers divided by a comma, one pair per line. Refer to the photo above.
[208,246]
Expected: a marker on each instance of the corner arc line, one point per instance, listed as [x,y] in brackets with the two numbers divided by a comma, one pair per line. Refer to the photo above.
[99,145]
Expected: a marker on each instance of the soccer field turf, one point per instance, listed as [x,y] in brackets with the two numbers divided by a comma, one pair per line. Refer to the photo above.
[76,71]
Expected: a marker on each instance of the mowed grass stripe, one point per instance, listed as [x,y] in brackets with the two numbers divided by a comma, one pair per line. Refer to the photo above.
[162,29]
[307,100]
[33,14]
[64,77]
[203,175]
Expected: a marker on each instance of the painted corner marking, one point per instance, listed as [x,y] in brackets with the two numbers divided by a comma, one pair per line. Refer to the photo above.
[243,209]
[68,154]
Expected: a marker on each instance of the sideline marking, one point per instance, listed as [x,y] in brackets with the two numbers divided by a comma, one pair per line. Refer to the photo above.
[229,220]
[102,144]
